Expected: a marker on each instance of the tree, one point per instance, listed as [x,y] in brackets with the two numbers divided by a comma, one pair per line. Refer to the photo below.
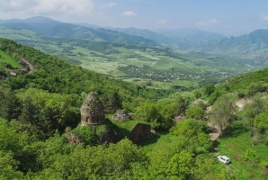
[10,105]
[114,103]
[197,93]
[196,112]
[150,113]
[261,120]
[181,106]
[222,113]
[209,89]
[192,136]
[9,166]
[29,112]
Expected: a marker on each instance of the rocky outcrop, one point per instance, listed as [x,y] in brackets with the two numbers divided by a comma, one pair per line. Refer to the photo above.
[139,133]
[179,118]
[92,110]
[121,115]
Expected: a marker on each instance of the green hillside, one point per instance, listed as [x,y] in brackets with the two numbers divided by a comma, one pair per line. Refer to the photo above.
[130,58]
[42,137]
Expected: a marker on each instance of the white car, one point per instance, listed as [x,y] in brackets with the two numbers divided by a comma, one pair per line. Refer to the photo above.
[224,159]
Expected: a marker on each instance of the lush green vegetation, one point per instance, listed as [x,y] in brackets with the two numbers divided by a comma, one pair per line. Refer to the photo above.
[41,136]
[6,60]
[41,126]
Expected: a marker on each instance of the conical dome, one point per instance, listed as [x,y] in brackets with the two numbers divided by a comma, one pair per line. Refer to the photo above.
[92,110]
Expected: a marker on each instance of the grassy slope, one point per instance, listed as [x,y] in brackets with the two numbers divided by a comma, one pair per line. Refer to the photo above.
[235,148]
[6,59]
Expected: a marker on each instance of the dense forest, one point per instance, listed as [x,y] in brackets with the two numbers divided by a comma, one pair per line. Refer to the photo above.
[40,111]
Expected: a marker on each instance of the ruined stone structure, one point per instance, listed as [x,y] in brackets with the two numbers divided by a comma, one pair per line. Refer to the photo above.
[92,110]
[139,133]
[121,115]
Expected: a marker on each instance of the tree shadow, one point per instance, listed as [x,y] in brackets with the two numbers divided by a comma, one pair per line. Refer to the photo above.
[235,129]
[151,140]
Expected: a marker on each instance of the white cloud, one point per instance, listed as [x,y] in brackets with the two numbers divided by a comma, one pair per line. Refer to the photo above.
[111,4]
[162,21]
[27,8]
[208,22]
[129,13]
[264,17]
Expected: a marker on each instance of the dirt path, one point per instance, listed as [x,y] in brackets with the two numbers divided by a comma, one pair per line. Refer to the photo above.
[30,65]
[241,103]
[215,131]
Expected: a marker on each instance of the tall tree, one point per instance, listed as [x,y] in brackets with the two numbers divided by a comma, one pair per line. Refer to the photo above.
[114,102]
[222,113]
[181,106]
[10,106]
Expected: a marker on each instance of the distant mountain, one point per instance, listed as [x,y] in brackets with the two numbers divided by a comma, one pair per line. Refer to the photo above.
[196,37]
[51,28]
[175,43]
[87,25]
[182,39]
[257,39]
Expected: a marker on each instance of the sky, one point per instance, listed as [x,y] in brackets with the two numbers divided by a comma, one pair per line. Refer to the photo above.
[228,17]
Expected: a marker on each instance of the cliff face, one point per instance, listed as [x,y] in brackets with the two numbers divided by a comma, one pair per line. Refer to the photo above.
[92,110]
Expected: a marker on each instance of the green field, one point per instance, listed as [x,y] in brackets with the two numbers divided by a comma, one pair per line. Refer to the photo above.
[5,59]
[236,148]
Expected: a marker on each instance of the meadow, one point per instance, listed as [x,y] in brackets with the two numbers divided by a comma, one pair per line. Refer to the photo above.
[5,59]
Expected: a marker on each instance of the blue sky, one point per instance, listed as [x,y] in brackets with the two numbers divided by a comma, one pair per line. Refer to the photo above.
[229,17]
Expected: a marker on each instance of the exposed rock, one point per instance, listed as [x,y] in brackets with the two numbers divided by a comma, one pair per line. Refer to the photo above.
[140,132]
[179,118]
[121,116]
[72,138]
[92,110]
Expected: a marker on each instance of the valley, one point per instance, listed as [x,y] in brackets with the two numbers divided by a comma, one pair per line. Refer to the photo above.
[172,96]
[133,60]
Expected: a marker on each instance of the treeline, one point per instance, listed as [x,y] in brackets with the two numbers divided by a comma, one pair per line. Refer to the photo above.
[57,76]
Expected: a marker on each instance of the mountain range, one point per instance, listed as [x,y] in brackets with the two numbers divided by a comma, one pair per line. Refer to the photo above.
[251,47]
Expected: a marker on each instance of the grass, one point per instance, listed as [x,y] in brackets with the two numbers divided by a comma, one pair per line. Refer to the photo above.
[159,140]
[235,147]
[6,59]
[123,128]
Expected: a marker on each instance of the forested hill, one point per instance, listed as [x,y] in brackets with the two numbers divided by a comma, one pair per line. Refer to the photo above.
[57,76]
[51,28]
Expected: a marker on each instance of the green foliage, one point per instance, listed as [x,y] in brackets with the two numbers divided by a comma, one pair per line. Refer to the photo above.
[113,103]
[197,93]
[192,135]
[10,105]
[196,112]
[181,105]
[261,121]
[252,156]
[9,166]
[222,113]
[85,134]
[159,115]
[209,89]
[236,148]
[206,167]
